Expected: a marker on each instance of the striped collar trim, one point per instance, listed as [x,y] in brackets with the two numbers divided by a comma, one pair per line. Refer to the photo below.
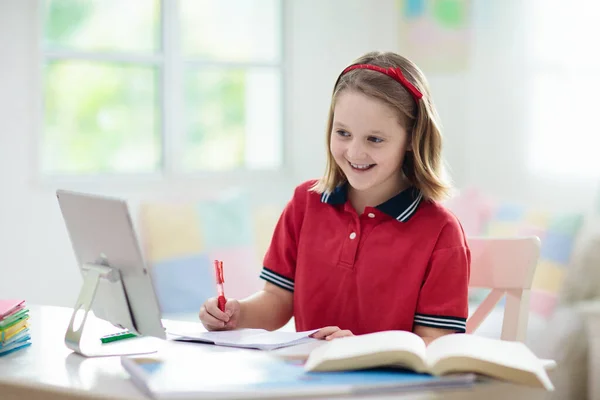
[401,207]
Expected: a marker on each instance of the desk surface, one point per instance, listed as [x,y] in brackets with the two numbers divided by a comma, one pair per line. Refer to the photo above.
[48,369]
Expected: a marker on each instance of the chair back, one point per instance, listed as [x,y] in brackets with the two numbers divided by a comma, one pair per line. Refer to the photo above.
[506,266]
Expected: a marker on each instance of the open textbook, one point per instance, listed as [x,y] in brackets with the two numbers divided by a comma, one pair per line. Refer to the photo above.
[246,338]
[450,354]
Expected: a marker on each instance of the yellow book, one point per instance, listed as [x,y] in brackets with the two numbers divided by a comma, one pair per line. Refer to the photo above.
[456,353]
[9,332]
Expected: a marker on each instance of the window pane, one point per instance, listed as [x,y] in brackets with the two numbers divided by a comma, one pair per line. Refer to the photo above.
[565,137]
[100,118]
[106,25]
[235,30]
[233,119]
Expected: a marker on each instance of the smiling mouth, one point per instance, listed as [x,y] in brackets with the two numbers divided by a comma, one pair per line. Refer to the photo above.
[361,167]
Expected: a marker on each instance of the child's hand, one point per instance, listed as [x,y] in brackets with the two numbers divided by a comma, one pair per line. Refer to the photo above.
[214,319]
[331,332]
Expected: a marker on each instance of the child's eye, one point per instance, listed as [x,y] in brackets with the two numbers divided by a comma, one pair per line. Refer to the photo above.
[342,133]
[375,139]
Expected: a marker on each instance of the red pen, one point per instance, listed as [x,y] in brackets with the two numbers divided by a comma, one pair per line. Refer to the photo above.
[220,281]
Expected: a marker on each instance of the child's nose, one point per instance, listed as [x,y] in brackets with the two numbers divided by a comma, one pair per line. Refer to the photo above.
[355,150]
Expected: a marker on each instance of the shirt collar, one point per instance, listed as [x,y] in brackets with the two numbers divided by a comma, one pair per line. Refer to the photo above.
[401,207]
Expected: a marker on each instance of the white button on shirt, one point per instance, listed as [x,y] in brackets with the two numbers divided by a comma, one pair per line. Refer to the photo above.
[371,215]
[352,235]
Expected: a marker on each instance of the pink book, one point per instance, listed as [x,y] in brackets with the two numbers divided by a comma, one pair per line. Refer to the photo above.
[8,307]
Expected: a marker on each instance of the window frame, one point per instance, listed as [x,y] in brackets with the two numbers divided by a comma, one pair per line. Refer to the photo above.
[171,65]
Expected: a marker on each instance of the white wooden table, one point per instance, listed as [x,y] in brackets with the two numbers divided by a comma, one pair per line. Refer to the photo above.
[49,370]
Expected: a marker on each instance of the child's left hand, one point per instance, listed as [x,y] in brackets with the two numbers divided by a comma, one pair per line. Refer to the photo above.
[331,332]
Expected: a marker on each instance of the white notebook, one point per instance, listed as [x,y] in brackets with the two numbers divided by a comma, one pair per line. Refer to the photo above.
[247,338]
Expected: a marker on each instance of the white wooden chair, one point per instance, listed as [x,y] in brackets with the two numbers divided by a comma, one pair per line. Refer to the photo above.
[506,266]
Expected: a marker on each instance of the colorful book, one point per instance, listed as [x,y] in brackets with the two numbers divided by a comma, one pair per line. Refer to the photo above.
[14,326]
[21,336]
[6,334]
[8,307]
[10,323]
[16,345]
[13,318]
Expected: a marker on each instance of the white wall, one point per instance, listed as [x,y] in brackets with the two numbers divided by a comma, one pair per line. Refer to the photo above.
[497,148]
[480,109]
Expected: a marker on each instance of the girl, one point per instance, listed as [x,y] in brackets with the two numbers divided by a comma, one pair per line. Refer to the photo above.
[367,247]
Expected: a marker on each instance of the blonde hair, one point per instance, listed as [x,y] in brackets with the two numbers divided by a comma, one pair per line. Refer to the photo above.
[423,166]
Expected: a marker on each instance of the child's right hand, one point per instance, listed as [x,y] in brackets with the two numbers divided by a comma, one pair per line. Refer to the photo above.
[214,319]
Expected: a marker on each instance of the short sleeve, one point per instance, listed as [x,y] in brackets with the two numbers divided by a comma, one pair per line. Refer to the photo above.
[279,265]
[443,299]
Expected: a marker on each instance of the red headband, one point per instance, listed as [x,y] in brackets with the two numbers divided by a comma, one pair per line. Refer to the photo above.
[395,73]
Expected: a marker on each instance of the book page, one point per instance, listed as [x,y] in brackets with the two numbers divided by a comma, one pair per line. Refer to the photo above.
[510,354]
[499,358]
[388,348]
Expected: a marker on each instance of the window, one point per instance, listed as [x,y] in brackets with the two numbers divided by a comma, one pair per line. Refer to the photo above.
[144,86]
[565,86]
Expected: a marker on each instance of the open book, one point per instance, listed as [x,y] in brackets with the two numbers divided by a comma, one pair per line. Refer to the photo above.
[457,353]
[248,338]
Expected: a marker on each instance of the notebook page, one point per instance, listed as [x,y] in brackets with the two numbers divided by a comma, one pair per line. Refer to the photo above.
[249,338]
[235,336]
[276,338]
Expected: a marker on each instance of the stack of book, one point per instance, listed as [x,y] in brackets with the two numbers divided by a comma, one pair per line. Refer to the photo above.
[14,326]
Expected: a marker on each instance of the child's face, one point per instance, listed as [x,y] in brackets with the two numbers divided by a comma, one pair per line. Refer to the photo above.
[367,142]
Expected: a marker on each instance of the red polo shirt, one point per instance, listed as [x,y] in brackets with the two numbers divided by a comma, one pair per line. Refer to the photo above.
[402,263]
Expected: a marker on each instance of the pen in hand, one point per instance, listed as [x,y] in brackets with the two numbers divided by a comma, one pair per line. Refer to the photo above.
[220,291]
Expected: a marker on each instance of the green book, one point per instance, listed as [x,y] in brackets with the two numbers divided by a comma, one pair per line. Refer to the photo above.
[14,319]
[16,315]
